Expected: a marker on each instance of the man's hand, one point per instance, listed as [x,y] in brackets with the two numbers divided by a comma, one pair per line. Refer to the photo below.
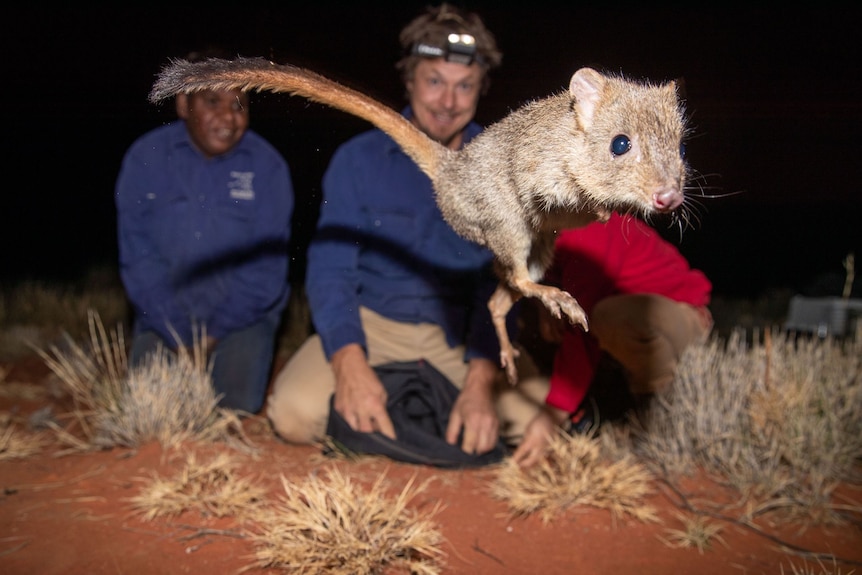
[474,410]
[538,436]
[360,397]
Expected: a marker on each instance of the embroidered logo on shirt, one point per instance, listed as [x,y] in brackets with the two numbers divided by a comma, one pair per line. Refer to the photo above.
[240,186]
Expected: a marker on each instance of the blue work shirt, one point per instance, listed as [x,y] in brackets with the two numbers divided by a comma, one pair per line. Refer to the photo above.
[381,242]
[203,241]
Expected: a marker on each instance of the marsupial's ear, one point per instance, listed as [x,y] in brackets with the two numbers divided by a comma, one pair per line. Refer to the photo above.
[586,88]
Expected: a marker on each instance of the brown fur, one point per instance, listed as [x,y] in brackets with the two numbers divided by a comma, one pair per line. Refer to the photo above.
[545,167]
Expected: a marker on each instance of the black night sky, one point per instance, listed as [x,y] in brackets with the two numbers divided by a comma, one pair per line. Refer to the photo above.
[775,97]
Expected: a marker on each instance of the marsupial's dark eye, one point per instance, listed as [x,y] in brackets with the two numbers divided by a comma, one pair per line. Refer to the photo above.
[620,145]
[682,151]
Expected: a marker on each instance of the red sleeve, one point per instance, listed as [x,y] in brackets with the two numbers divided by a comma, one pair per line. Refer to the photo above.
[574,366]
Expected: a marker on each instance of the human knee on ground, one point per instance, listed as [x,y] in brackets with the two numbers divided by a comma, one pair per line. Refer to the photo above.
[629,329]
[298,404]
[293,421]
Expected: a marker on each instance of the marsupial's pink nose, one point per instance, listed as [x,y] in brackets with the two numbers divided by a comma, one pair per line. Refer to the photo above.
[667,199]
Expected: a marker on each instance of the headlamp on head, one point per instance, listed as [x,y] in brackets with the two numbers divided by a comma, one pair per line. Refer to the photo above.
[460,48]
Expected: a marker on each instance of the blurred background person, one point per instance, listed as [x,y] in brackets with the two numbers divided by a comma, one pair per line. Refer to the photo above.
[204,208]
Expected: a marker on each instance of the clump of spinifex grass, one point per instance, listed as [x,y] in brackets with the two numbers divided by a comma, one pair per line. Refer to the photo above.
[329,525]
[211,488]
[576,472]
[780,419]
[16,442]
[697,532]
[775,416]
[169,398]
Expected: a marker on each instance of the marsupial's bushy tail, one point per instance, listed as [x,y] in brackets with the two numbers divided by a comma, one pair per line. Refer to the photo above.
[260,74]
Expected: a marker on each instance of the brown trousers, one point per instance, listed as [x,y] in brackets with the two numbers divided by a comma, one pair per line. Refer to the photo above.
[647,334]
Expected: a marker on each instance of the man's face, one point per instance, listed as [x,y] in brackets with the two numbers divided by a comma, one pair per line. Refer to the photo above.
[444,96]
[216,121]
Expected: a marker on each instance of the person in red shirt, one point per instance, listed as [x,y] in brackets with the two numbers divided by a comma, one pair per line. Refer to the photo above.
[645,305]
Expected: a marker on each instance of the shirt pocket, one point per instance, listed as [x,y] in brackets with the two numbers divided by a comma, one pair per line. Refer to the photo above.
[233,213]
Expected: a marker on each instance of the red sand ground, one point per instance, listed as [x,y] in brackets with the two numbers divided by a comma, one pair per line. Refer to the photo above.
[71,515]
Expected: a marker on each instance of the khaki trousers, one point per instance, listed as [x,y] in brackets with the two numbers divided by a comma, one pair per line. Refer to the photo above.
[647,334]
[298,405]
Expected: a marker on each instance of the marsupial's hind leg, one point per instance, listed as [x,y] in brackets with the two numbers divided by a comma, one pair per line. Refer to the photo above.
[501,302]
[504,297]
[519,285]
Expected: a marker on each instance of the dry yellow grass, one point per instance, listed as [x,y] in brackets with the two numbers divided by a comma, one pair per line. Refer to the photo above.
[327,524]
[780,419]
[17,443]
[697,532]
[575,473]
[212,488]
[169,398]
